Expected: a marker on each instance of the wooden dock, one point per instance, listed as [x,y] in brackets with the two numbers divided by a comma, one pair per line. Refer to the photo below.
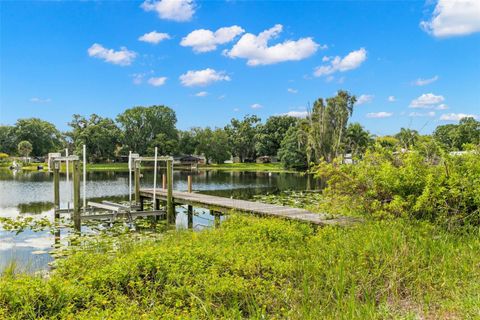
[225,205]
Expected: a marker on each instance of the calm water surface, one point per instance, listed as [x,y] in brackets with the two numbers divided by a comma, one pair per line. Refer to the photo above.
[31,194]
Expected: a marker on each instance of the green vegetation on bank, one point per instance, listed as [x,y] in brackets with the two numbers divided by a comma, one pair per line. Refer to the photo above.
[263,268]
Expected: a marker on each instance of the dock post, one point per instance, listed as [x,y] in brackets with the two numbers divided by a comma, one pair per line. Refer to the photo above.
[170,204]
[137,182]
[164,181]
[56,188]
[189,207]
[189,183]
[76,195]
[190,217]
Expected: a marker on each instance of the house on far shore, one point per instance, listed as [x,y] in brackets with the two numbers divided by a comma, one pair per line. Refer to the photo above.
[266,159]
[188,160]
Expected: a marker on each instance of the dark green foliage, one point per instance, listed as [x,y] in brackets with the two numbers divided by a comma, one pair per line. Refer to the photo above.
[262,268]
[100,135]
[7,140]
[271,134]
[456,136]
[186,142]
[241,135]
[43,135]
[357,139]
[213,144]
[141,125]
[292,152]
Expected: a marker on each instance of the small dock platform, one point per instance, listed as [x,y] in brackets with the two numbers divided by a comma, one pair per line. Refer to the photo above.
[225,205]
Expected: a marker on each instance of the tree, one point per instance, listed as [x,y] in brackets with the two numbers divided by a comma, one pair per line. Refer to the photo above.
[165,145]
[7,139]
[292,152]
[43,135]
[327,125]
[213,144]
[187,142]
[271,134]
[446,135]
[468,132]
[357,139]
[241,136]
[455,136]
[141,125]
[101,136]
[24,148]
[407,137]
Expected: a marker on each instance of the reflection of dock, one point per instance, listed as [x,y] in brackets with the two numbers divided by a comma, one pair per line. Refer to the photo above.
[225,205]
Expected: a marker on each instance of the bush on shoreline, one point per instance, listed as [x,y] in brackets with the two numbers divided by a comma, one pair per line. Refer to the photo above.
[263,268]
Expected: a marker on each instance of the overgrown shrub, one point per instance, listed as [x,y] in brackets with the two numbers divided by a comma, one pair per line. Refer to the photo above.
[263,268]
[407,184]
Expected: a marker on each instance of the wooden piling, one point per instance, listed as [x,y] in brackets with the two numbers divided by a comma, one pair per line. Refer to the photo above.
[56,188]
[76,195]
[170,204]
[190,217]
[164,181]
[189,183]
[137,181]
[216,216]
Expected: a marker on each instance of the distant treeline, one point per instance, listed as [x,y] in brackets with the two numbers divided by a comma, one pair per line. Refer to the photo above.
[324,134]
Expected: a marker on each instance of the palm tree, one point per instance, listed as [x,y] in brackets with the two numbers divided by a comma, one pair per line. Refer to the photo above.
[407,137]
[357,138]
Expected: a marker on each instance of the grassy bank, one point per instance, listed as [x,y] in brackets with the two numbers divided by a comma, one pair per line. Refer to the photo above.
[263,268]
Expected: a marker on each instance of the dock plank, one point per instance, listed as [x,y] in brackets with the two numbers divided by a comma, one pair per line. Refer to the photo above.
[224,205]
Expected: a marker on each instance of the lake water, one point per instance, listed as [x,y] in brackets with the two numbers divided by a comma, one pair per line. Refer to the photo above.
[24,194]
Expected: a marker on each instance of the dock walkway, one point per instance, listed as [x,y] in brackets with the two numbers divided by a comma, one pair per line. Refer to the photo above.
[225,205]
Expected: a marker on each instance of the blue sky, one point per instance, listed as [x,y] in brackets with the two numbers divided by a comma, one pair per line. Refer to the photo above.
[412,64]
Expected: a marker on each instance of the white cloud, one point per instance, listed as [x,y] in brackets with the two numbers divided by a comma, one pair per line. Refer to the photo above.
[420,114]
[221,97]
[202,77]
[426,101]
[364,98]
[423,82]
[40,100]
[297,114]
[454,18]
[442,107]
[379,115]
[255,48]
[203,40]
[291,90]
[157,82]
[351,61]
[201,94]
[391,99]
[176,10]
[154,37]
[236,109]
[256,106]
[123,57]
[456,116]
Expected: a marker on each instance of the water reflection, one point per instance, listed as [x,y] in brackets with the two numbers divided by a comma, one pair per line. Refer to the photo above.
[31,194]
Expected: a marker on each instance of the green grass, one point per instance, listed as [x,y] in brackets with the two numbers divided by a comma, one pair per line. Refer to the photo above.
[263,268]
